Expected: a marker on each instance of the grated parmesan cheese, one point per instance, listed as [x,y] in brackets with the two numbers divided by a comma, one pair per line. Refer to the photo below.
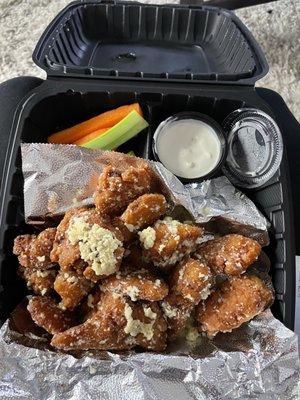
[147,237]
[181,272]
[168,310]
[205,292]
[172,224]
[72,279]
[130,227]
[149,313]
[134,326]
[41,258]
[132,292]
[43,274]
[189,297]
[96,245]
[90,301]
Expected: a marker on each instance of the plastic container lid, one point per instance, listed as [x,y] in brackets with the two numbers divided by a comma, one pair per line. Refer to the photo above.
[128,40]
[255,147]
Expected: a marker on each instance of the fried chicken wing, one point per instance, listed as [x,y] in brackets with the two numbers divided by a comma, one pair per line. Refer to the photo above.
[83,235]
[118,324]
[191,279]
[236,301]
[144,211]
[169,241]
[39,281]
[137,285]
[117,189]
[230,254]
[177,311]
[72,288]
[33,251]
[46,313]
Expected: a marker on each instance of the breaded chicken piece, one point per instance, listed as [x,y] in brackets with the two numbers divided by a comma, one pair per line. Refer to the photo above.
[191,279]
[236,301]
[84,236]
[144,211]
[117,189]
[33,251]
[169,241]
[230,254]
[134,259]
[39,281]
[137,285]
[64,253]
[177,311]
[118,324]
[189,282]
[103,331]
[46,313]
[72,288]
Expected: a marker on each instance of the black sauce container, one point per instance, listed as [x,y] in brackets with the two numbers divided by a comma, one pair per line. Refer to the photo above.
[215,171]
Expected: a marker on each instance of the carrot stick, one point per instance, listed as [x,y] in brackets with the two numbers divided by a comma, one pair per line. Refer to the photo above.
[90,136]
[102,121]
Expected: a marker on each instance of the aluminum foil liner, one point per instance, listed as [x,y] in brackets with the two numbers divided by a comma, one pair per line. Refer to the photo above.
[54,174]
[257,361]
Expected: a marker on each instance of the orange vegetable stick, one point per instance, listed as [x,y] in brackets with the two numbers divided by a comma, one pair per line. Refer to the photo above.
[102,121]
[90,136]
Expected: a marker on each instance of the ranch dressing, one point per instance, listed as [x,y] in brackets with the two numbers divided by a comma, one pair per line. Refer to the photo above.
[189,148]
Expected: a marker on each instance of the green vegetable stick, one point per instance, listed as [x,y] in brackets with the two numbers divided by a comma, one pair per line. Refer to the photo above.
[125,130]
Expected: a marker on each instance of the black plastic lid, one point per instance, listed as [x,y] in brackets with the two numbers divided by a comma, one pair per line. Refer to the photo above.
[127,40]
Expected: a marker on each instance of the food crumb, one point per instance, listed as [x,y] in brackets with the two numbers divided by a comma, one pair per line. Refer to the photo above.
[147,237]
[92,369]
[192,334]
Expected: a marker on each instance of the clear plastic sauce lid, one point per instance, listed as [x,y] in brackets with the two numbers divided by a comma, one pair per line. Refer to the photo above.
[255,147]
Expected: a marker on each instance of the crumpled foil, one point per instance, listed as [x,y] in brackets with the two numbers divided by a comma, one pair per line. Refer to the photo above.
[54,174]
[257,361]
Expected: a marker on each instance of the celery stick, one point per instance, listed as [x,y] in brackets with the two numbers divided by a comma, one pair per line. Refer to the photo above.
[126,129]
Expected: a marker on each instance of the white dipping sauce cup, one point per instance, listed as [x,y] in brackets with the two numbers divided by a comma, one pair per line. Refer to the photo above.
[190,145]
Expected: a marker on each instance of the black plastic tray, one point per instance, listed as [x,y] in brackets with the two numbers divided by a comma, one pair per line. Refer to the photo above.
[127,40]
[55,105]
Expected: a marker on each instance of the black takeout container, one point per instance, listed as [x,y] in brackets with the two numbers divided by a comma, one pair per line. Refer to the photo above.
[99,55]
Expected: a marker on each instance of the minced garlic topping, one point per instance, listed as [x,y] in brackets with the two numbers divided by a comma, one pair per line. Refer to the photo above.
[132,292]
[135,326]
[43,274]
[205,292]
[168,310]
[172,224]
[130,227]
[147,237]
[149,313]
[189,297]
[96,245]
[90,301]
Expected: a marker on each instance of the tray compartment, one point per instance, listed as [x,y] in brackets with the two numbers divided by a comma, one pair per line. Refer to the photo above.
[53,110]
[123,39]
